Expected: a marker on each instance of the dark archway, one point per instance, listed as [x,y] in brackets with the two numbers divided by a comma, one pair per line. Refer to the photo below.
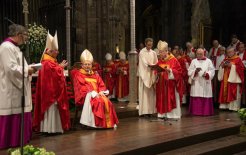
[228,17]
[167,20]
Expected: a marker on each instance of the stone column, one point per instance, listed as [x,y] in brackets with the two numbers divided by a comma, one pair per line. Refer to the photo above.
[26,12]
[68,32]
[133,60]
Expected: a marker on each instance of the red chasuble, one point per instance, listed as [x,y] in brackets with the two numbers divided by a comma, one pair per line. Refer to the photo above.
[109,71]
[96,67]
[165,88]
[102,108]
[228,91]
[188,59]
[51,87]
[122,80]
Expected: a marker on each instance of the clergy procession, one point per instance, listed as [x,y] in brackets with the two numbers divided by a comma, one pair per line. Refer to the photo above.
[115,77]
[168,79]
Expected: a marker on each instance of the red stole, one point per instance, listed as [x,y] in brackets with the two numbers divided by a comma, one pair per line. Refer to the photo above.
[50,88]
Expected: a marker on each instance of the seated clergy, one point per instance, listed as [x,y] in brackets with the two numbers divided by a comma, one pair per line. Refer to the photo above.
[90,91]
[51,109]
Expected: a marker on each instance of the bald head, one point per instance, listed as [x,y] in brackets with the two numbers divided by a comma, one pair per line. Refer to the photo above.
[230,52]
[199,53]
[241,47]
[215,43]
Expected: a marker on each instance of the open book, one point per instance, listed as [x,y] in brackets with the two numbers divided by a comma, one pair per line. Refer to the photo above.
[157,68]
[37,66]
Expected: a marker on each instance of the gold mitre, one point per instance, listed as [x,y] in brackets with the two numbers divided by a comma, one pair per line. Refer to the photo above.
[86,56]
[162,45]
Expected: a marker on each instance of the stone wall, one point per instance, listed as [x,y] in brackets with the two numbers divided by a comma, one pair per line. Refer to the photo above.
[100,25]
[200,15]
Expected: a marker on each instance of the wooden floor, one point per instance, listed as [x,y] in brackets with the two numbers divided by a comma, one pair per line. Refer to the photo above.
[134,133]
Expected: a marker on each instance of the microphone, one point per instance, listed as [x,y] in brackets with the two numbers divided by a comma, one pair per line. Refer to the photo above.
[7,19]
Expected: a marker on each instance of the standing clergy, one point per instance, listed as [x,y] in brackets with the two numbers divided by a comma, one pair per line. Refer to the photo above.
[190,51]
[11,89]
[90,91]
[51,110]
[96,67]
[184,81]
[231,75]
[214,53]
[168,92]
[201,72]
[242,52]
[234,42]
[109,71]
[122,78]
[147,96]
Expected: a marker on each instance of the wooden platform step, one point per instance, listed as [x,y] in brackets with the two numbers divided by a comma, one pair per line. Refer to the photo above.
[227,145]
[187,141]
[143,135]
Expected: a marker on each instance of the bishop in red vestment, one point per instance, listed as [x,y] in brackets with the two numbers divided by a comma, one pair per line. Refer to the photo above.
[167,91]
[109,71]
[90,91]
[122,78]
[51,109]
[231,75]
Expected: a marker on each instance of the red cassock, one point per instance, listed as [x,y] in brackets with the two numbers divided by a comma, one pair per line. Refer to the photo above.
[109,71]
[182,85]
[116,62]
[122,80]
[215,56]
[96,67]
[244,56]
[188,59]
[228,91]
[165,88]
[102,108]
[51,87]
